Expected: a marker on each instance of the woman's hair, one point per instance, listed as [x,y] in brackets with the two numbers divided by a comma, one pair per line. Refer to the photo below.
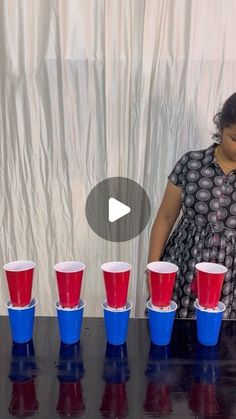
[225,117]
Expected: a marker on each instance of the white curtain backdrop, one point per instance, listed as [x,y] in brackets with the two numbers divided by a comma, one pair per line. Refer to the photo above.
[91,89]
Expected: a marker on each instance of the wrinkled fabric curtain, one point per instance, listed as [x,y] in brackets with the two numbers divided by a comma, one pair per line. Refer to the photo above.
[91,89]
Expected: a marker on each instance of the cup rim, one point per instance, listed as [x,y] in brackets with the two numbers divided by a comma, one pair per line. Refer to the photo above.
[58,267]
[82,304]
[114,310]
[210,310]
[214,268]
[32,304]
[161,266]
[9,266]
[173,307]
[126,267]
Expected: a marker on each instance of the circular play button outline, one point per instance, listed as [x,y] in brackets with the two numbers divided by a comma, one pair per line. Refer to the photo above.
[117,209]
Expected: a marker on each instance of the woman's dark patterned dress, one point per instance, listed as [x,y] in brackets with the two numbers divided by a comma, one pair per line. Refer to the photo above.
[207,229]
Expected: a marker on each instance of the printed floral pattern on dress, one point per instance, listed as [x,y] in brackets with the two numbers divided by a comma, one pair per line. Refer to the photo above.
[207,228]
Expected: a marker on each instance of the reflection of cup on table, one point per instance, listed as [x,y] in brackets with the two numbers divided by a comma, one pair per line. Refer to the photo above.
[158,367]
[70,399]
[210,278]
[115,373]
[202,400]
[157,399]
[116,279]
[161,282]
[70,372]
[20,278]
[23,399]
[158,371]
[23,365]
[69,281]
[116,368]
[70,365]
[22,373]
[114,402]
[206,364]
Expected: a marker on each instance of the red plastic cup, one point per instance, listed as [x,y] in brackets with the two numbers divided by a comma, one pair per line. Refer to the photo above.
[20,278]
[161,282]
[116,278]
[69,281]
[210,277]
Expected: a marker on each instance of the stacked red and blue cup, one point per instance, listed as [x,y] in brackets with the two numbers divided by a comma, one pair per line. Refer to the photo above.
[209,310]
[21,306]
[161,309]
[70,306]
[116,307]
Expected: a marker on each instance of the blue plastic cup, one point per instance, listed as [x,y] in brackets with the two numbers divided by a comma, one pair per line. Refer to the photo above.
[161,323]
[70,321]
[22,321]
[208,323]
[116,323]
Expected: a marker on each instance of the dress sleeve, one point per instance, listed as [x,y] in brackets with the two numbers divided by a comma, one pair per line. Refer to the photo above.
[178,173]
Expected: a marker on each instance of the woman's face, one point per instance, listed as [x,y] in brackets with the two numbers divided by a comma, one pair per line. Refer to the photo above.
[228,144]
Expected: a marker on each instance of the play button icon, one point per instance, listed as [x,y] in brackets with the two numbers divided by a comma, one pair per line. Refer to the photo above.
[118,209]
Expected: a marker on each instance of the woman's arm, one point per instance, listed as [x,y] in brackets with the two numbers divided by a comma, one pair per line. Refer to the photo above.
[165,219]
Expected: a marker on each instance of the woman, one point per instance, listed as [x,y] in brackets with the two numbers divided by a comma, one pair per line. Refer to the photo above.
[202,185]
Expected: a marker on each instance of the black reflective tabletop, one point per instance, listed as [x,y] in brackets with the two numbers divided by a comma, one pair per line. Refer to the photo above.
[93,379]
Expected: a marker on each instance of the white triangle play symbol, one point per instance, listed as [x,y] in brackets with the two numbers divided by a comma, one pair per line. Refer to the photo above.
[117,210]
